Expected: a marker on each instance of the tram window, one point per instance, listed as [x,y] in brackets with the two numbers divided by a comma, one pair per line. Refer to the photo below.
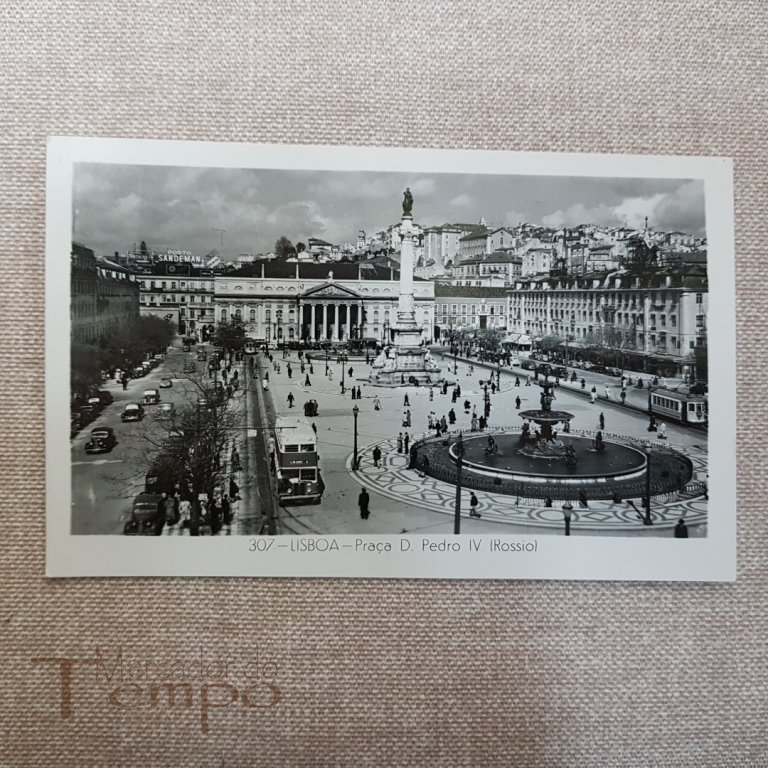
[292,448]
[307,446]
[307,474]
[691,407]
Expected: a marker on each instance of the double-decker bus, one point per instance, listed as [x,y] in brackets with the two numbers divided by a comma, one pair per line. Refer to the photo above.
[684,407]
[297,468]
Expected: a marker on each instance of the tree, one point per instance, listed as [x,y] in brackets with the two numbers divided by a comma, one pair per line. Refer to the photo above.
[86,362]
[301,247]
[284,247]
[143,249]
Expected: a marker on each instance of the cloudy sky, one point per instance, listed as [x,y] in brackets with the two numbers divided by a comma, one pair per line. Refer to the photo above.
[116,206]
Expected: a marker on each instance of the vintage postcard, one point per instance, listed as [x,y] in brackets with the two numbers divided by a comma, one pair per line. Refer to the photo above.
[344,361]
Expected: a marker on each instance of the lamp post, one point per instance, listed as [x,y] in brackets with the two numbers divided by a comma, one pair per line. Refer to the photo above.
[647,500]
[326,361]
[355,459]
[498,372]
[455,362]
[459,464]
[342,358]
[567,512]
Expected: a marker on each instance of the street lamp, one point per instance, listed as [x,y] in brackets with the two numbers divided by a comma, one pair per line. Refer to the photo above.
[567,512]
[459,464]
[343,360]
[647,500]
[455,362]
[326,361]
[355,459]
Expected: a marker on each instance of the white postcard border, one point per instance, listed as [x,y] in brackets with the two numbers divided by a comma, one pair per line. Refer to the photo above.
[556,557]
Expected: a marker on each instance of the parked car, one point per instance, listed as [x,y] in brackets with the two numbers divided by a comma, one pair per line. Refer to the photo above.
[105,397]
[159,357]
[102,440]
[166,382]
[132,412]
[96,403]
[560,371]
[190,367]
[526,365]
[147,516]
[150,397]
[165,411]
[138,372]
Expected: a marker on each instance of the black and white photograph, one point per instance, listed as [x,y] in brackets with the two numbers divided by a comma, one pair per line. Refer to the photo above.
[414,350]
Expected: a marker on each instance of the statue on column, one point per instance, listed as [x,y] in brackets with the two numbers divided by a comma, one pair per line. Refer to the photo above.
[407,202]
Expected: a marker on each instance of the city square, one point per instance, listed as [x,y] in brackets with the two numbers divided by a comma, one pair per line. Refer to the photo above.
[560,389]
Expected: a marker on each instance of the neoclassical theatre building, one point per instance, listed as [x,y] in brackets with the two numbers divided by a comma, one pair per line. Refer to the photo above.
[283,301]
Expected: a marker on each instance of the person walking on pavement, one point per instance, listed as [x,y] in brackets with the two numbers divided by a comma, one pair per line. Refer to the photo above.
[607,393]
[601,421]
[451,416]
[289,371]
[406,442]
[314,428]
[359,395]
[473,502]
[307,382]
[593,395]
[517,381]
[406,401]
[400,443]
[623,396]
[518,402]
[662,431]
[431,395]
[376,456]
[362,501]
[290,399]
[443,424]
[124,381]
[681,529]
[376,404]
[349,372]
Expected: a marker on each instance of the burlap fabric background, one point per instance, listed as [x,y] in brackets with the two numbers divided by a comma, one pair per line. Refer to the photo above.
[386,672]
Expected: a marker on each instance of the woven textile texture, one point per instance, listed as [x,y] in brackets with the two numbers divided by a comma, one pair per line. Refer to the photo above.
[384,673]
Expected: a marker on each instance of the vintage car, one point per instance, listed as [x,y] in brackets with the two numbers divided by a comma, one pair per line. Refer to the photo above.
[202,354]
[159,357]
[174,445]
[105,397]
[166,382]
[190,367]
[138,372]
[102,440]
[132,412]
[96,403]
[150,397]
[147,516]
[165,411]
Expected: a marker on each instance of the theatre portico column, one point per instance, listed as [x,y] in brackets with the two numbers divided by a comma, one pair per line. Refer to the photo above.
[348,308]
[312,322]
[324,334]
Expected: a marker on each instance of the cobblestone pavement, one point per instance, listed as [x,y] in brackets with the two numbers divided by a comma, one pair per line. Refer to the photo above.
[393,480]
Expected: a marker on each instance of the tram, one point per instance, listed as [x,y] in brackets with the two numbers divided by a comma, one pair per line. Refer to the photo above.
[677,406]
[249,347]
[297,469]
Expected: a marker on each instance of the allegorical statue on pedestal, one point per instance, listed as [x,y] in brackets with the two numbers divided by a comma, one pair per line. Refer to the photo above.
[407,202]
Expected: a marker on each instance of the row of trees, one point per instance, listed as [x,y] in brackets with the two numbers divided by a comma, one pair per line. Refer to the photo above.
[127,347]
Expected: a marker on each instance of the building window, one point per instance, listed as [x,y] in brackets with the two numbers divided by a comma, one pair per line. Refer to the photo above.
[253,315]
[673,321]
[223,315]
[699,298]
[173,285]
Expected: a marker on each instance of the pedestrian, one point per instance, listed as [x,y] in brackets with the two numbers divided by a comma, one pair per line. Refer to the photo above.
[185,512]
[265,384]
[404,422]
[362,501]
[652,425]
[453,396]
[451,416]
[330,374]
[527,381]
[351,389]
[467,406]
[311,368]
[314,428]
[443,424]
[406,401]
[289,371]
[430,421]
[681,529]
[376,456]
[302,367]
[290,399]
[493,387]
[226,511]
[458,391]
[623,396]
[349,372]
[481,422]
[518,402]
[473,503]
[376,404]
[406,442]
[601,421]
[359,394]
[662,431]
[408,418]
[307,382]
[445,387]
[431,395]
[400,443]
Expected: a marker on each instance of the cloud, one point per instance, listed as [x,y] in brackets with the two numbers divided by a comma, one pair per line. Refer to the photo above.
[513,218]
[580,214]
[682,210]
[462,201]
